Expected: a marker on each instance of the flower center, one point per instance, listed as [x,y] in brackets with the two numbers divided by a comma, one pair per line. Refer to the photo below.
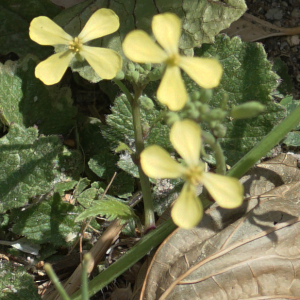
[173,59]
[194,174]
[75,45]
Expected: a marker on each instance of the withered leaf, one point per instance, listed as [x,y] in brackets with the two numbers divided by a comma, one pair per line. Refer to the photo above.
[248,253]
[251,28]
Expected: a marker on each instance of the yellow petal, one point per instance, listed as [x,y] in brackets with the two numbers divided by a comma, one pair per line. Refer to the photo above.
[185,136]
[139,47]
[156,162]
[44,31]
[167,29]
[102,22]
[187,210]
[206,72]
[51,70]
[171,90]
[106,62]
[226,191]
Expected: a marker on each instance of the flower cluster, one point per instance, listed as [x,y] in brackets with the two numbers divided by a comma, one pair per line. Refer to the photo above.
[106,63]
[139,47]
[187,211]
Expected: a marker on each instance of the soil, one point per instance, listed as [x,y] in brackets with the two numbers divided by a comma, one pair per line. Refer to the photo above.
[283,14]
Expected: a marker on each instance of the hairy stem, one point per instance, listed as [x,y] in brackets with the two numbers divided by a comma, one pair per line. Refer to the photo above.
[139,143]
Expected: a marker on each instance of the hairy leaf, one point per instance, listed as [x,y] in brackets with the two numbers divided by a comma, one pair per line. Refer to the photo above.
[25,100]
[16,283]
[15,18]
[49,221]
[31,165]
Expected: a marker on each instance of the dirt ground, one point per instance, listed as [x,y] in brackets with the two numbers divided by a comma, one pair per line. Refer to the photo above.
[283,14]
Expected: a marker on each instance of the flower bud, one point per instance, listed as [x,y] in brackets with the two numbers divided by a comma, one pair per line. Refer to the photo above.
[217,114]
[146,103]
[219,131]
[147,67]
[247,110]
[135,76]
[120,75]
[206,95]
[131,66]
[155,74]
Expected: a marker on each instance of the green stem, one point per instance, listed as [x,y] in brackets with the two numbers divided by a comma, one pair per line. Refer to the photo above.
[56,282]
[265,145]
[138,251]
[139,143]
[84,276]
[216,147]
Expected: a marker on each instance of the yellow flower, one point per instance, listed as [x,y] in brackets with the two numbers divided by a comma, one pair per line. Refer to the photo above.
[106,63]
[156,162]
[139,47]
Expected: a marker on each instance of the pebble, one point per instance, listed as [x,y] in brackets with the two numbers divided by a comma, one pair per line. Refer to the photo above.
[274,14]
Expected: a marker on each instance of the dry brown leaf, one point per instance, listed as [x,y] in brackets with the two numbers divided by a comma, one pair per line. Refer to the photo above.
[252,29]
[250,252]
[97,252]
[275,172]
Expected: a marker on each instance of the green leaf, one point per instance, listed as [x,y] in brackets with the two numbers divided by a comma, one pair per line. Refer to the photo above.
[91,139]
[31,165]
[293,137]
[50,221]
[119,129]
[248,76]
[25,100]
[280,67]
[15,18]
[120,126]
[16,283]
[290,106]
[201,21]
[105,165]
[110,207]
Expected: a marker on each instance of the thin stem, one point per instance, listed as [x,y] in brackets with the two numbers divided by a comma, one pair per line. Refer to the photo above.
[138,251]
[265,145]
[56,282]
[216,147]
[84,277]
[139,143]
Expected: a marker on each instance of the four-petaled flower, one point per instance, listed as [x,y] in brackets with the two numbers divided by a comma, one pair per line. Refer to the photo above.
[106,62]
[139,47]
[156,162]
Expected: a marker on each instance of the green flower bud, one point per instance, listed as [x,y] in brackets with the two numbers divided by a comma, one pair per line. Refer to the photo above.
[204,109]
[195,95]
[135,76]
[219,131]
[217,114]
[172,117]
[139,68]
[120,75]
[155,74]
[147,67]
[247,110]
[206,95]
[146,103]
[131,66]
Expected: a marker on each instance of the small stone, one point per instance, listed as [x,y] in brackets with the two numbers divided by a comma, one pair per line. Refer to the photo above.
[274,14]
[293,40]
[296,13]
